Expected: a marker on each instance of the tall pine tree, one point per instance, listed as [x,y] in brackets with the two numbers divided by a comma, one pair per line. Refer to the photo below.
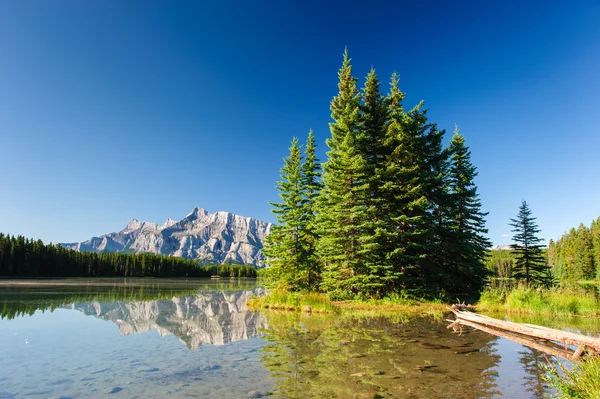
[283,246]
[530,265]
[405,191]
[311,173]
[470,245]
[374,117]
[434,174]
[340,209]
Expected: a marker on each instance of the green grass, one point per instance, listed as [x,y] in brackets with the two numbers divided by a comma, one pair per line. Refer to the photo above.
[582,381]
[312,302]
[294,301]
[550,302]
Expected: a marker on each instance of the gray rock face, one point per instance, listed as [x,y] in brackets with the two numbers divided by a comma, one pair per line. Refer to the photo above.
[501,248]
[215,237]
[215,318]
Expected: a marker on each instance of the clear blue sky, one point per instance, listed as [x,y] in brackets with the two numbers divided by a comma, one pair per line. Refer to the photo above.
[113,110]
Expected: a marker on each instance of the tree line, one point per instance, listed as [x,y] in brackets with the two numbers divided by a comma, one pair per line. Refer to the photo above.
[391,209]
[576,255]
[23,257]
[15,303]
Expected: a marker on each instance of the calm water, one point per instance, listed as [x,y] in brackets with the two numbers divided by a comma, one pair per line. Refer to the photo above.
[196,339]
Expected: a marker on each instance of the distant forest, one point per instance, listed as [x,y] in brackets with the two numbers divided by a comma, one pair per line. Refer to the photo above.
[576,255]
[23,257]
[573,258]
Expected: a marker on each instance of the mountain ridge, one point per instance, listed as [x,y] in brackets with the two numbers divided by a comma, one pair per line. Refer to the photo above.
[214,237]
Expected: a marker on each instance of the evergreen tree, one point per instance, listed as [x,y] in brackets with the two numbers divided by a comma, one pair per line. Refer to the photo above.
[311,173]
[530,265]
[595,233]
[371,144]
[391,213]
[405,190]
[584,260]
[575,255]
[469,243]
[340,210]
[435,176]
[283,246]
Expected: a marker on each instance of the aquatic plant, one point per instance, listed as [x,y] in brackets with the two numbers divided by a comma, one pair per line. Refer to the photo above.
[581,381]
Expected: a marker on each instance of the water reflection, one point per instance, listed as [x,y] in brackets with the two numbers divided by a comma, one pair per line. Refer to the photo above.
[214,317]
[25,297]
[533,361]
[348,356]
[370,357]
[196,311]
[85,339]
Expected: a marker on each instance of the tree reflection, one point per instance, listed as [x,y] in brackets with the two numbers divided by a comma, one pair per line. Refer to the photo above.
[532,361]
[395,356]
[19,299]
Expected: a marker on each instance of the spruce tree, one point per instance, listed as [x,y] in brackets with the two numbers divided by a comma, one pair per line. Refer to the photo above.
[530,265]
[434,174]
[584,257]
[405,191]
[470,245]
[575,255]
[595,232]
[311,173]
[340,210]
[371,144]
[283,246]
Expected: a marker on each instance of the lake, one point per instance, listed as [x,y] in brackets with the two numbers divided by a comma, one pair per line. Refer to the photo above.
[155,338]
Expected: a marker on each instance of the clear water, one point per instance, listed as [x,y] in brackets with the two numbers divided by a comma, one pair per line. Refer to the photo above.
[196,339]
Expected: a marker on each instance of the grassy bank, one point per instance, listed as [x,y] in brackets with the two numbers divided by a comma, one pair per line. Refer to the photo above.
[294,301]
[582,381]
[543,301]
[322,303]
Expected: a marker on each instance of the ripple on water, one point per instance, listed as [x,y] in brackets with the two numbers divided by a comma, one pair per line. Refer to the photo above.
[61,381]
[149,370]
[101,371]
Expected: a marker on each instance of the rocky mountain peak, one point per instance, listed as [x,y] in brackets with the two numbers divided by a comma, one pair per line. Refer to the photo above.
[170,222]
[133,224]
[197,213]
[215,237]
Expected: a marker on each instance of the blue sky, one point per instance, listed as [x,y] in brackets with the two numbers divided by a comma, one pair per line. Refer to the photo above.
[142,109]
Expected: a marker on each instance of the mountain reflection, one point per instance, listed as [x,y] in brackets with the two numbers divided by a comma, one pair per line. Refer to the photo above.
[215,317]
[197,311]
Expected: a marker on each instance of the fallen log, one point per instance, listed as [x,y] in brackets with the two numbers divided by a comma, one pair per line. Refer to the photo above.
[530,330]
[550,350]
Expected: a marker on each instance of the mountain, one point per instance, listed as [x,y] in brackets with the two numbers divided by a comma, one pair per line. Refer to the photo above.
[501,248]
[214,237]
[215,318]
